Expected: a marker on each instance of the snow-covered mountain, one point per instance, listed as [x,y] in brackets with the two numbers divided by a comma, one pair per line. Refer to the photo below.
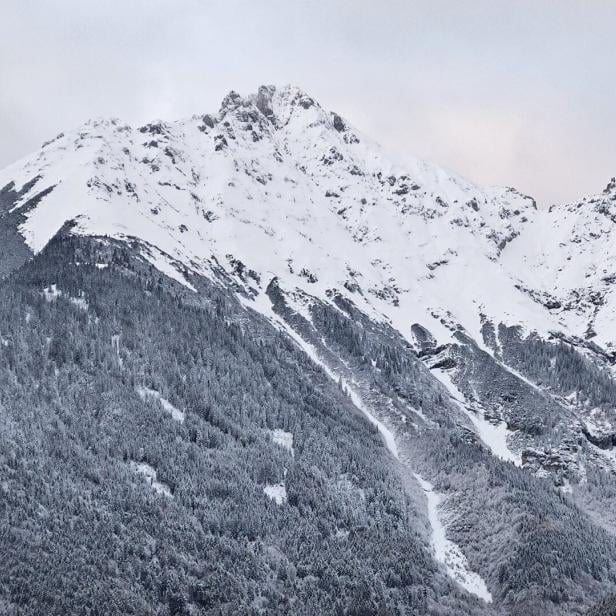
[502,312]
[275,188]
[566,259]
[289,190]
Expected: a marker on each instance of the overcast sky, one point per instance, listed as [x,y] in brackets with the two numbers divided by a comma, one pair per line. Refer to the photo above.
[510,92]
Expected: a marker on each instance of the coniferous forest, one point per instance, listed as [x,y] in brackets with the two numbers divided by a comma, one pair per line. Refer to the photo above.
[142,470]
[83,533]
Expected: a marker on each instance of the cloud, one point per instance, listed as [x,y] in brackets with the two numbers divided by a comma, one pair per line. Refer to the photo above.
[517,94]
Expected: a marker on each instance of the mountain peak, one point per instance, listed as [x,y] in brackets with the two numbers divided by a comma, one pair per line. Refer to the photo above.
[231,101]
[264,100]
[280,184]
[277,104]
[611,187]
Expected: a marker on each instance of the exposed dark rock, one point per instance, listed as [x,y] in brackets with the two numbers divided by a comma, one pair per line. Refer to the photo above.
[209,121]
[230,102]
[264,101]
[338,122]
[308,275]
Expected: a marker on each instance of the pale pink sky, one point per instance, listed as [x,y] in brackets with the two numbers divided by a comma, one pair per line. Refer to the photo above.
[518,93]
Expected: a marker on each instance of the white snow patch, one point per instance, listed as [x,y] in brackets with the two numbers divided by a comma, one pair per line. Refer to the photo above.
[149,472]
[163,264]
[51,293]
[419,414]
[277,492]
[566,488]
[597,423]
[518,375]
[608,454]
[284,439]
[449,553]
[80,302]
[146,393]
[115,342]
[494,436]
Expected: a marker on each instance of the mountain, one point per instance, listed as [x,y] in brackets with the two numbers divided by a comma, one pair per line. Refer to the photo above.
[414,372]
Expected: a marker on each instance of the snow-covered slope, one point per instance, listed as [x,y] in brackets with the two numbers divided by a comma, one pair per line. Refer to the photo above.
[566,258]
[275,186]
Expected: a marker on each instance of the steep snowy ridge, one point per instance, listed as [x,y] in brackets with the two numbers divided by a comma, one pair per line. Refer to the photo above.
[276,185]
[566,257]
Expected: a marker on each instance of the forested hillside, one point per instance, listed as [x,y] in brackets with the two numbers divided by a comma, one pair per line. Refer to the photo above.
[83,327]
[171,452]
